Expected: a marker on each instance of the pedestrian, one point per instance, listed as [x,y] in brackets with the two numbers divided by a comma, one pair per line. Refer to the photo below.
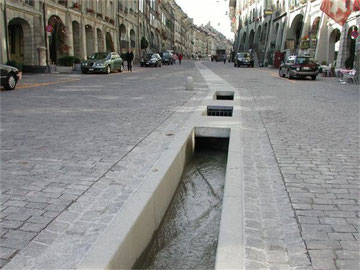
[180,58]
[129,59]
[175,57]
[224,58]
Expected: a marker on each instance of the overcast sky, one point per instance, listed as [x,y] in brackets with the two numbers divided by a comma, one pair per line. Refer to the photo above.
[203,11]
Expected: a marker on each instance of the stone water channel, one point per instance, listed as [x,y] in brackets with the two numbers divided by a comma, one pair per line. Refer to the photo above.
[188,235]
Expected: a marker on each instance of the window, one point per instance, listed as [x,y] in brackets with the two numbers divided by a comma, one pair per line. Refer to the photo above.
[29,2]
[141,6]
[132,5]
[111,9]
[99,6]
[152,19]
[63,2]
[304,60]
[290,61]
[89,4]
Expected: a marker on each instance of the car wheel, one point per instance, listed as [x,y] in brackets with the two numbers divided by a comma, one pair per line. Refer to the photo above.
[313,77]
[84,72]
[10,82]
[281,73]
[108,69]
[288,75]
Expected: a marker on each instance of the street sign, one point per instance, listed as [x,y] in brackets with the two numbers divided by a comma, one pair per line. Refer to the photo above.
[354,34]
[49,28]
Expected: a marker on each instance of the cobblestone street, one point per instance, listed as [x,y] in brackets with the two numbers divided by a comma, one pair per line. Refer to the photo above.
[313,131]
[73,152]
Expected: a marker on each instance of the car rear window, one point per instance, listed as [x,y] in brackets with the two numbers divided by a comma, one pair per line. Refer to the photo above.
[305,60]
[100,56]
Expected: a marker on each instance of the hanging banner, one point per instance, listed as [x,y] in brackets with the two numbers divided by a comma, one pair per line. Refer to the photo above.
[339,10]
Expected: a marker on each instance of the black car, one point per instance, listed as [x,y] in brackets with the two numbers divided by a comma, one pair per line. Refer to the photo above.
[151,59]
[167,58]
[9,77]
[104,62]
[243,58]
[299,66]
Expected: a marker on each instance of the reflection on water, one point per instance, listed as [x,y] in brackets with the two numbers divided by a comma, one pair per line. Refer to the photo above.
[187,237]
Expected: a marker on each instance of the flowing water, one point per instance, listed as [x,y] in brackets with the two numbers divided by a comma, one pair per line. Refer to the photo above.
[187,237]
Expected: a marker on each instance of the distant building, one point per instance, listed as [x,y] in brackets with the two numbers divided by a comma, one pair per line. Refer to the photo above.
[291,27]
[37,33]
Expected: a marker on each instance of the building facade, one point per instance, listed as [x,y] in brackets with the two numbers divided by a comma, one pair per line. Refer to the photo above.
[38,33]
[265,27]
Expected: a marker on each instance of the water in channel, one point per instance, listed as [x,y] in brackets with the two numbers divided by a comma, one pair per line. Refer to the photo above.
[187,237]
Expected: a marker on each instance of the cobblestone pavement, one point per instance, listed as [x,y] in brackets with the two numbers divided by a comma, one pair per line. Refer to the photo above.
[312,129]
[73,152]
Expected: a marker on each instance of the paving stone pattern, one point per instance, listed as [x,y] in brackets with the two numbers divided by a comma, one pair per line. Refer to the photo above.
[73,154]
[313,131]
[271,234]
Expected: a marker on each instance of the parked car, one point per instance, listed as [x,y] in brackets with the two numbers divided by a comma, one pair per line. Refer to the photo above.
[104,62]
[299,66]
[151,59]
[167,58]
[9,76]
[243,58]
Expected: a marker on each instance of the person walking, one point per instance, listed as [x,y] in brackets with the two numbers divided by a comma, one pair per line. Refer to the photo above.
[180,58]
[175,57]
[129,59]
[224,58]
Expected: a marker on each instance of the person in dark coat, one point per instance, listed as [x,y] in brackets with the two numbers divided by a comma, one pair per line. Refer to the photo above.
[180,58]
[129,59]
[224,58]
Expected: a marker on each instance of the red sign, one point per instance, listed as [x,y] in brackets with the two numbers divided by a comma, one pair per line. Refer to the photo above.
[355,34]
[49,28]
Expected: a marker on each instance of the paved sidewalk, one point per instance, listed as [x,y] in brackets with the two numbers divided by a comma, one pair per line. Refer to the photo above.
[72,154]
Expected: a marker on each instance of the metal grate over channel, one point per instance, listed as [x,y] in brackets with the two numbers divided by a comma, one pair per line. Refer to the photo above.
[225,111]
[224,95]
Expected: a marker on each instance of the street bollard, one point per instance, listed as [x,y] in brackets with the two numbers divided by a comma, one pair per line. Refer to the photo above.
[189,83]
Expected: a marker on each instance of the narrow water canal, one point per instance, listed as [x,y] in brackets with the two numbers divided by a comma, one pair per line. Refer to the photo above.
[187,237]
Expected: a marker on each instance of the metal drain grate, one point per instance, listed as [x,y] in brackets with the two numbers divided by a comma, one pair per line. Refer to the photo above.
[226,111]
[224,95]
